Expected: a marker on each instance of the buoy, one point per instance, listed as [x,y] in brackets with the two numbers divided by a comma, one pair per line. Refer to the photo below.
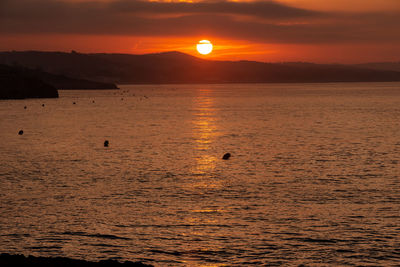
[226,156]
[21,132]
[74,103]
[106,143]
[25,107]
[42,105]
[93,101]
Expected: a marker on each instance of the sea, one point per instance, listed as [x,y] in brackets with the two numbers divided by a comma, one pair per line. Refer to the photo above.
[313,177]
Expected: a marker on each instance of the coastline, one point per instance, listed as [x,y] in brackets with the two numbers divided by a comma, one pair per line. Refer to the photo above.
[21,260]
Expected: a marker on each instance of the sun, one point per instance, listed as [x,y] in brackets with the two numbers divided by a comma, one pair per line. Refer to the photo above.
[204,47]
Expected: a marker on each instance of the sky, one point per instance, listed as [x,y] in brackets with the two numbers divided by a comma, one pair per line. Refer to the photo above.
[322,31]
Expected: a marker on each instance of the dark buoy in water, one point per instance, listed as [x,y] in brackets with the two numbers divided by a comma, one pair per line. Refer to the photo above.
[106,143]
[226,156]
[93,101]
[21,132]
[25,107]
[73,103]
[42,105]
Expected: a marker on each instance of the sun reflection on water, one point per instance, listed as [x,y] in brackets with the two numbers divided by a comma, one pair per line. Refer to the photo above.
[204,131]
[205,178]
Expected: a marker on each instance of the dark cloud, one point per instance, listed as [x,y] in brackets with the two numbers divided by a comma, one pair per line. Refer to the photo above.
[265,9]
[264,21]
[262,9]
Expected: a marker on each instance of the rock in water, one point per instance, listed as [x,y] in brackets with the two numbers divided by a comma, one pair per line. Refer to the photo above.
[226,156]
[106,143]
[21,132]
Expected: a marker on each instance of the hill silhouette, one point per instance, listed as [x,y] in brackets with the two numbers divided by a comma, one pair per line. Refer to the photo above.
[61,81]
[176,67]
[14,84]
[18,82]
[394,66]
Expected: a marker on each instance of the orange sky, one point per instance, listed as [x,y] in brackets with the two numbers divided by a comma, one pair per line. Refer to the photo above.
[287,30]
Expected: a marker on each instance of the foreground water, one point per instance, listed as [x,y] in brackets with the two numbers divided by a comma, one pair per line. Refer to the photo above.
[313,178]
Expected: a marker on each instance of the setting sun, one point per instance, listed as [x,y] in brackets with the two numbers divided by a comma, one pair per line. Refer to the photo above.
[204,47]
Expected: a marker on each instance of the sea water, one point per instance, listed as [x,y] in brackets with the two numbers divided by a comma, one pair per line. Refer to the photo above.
[313,178]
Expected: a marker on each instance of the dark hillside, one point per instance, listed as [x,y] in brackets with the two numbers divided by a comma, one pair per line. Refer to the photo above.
[176,67]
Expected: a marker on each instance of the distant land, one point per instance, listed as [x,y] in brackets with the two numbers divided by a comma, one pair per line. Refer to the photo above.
[17,82]
[14,84]
[176,67]
[61,81]
[395,66]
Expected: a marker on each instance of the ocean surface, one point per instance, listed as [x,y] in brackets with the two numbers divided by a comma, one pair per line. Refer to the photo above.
[313,178]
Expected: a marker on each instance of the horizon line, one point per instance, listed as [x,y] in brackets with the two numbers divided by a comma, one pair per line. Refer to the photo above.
[72,51]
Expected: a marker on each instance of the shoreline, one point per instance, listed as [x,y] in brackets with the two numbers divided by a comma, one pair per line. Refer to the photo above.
[22,260]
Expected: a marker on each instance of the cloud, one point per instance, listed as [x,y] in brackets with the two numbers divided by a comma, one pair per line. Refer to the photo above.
[262,9]
[263,21]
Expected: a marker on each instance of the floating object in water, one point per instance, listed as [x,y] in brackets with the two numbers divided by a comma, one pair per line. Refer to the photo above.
[93,101]
[21,132]
[42,105]
[122,98]
[106,143]
[25,107]
[73,103]
[226,156]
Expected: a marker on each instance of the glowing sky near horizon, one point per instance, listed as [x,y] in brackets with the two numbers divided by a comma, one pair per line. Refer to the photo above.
[285,30]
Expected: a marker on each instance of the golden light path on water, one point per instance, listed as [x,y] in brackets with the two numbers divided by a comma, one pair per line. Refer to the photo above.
[204,130]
